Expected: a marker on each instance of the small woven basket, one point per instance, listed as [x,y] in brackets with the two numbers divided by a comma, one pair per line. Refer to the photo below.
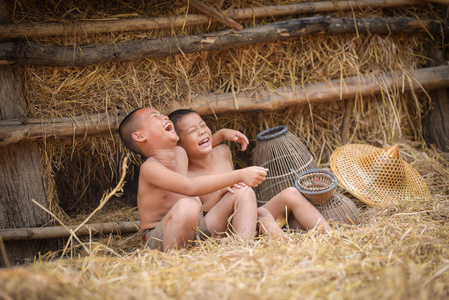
[317,185]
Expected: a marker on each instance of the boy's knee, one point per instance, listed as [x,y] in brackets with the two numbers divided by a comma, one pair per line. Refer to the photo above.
[187,210]
[292,195]
[293,192]
[262,212]
[247,196]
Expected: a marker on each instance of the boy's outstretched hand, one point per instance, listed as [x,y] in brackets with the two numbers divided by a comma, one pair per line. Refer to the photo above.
[226,134]
[253,176]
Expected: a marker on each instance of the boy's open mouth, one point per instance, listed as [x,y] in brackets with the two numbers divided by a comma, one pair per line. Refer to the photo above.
[204,141]
[168,127]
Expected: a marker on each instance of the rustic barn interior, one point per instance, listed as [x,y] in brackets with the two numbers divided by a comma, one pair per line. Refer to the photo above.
[334,72]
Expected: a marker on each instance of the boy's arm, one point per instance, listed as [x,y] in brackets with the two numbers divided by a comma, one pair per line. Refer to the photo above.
[230,135]
[156,174]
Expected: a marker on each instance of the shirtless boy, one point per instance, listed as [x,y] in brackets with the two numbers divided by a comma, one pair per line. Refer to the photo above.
[205,160]
[169,213]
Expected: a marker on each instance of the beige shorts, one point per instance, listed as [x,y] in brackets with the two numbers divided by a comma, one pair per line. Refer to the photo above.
[153,238]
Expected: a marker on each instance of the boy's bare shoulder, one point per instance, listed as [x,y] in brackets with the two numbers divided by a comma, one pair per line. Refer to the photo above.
[221,150]
[149,163]
[180,151]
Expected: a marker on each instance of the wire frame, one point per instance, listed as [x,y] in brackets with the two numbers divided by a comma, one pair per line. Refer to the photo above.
[317,185]
[377,176]
[283,154]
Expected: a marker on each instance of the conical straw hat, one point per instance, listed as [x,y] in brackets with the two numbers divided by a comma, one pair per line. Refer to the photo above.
[377,176]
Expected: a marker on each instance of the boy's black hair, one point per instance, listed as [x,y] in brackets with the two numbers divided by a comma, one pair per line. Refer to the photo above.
[178,114]
[126,129]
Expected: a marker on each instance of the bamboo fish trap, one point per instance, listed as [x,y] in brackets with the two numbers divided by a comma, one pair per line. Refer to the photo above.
[283,154]
[340,209]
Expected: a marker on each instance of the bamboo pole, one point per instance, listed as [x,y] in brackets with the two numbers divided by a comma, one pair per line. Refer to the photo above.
[214,14]
[38,233]
[37,54]
[335,90]
[29,30]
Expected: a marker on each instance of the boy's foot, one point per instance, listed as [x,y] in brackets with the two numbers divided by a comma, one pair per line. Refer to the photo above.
[267,224]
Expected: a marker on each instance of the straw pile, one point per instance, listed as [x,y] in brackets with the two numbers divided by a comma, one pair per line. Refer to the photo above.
[398,252]
[84,167]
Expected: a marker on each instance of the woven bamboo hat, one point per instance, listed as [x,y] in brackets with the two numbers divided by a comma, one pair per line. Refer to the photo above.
[377,176]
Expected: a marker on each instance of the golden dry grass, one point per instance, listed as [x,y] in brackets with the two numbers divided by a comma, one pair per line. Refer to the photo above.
[396,253]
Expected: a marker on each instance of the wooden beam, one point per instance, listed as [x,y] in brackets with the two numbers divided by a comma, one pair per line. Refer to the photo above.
[439,1]
[37,54]
[30,30]
[214,14]
[334,90]
[38,233]
[13,131]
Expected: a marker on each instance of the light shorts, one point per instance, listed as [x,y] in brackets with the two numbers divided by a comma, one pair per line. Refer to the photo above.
[153,238]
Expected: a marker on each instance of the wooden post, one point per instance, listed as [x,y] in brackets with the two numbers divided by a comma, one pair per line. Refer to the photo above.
[437,121]
[21,171]
[349,109]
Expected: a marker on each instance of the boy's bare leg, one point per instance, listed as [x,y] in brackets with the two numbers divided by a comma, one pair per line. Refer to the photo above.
[244,217]
[180,223]
[291,200]
[267,223]
[244,220]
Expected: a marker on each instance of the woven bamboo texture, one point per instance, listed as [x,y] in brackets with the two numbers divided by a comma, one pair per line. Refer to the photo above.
[377,176]
[317,185]
[339,209]
[283,154]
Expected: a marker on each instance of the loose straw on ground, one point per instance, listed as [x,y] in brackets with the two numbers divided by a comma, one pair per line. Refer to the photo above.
[118,188]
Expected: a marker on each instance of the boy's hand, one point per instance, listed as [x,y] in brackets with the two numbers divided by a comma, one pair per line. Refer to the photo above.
[235,136]
[253,176]
[230,189]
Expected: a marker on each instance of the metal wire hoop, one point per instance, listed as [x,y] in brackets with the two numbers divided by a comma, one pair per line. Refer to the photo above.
[272,133]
